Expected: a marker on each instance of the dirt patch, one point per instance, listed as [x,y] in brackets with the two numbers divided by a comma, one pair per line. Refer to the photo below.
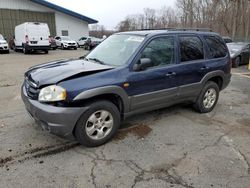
[244,122]
[7,85]
[247,74]
[55,150]
[140,131]
[5,160]
[37,153]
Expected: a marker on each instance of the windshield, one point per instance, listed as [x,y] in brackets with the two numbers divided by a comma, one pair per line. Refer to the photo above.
[65,38]
[116,50]
[1,37]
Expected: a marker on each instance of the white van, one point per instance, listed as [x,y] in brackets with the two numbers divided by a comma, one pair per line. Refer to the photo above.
[31,36]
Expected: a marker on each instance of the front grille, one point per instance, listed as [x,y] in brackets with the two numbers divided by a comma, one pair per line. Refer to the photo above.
[32,91]
[33,42]
[71,43]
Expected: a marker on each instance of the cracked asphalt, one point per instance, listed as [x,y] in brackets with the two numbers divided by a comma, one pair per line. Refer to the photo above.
[172,147]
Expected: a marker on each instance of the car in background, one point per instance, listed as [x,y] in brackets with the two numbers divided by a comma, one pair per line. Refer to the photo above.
[4,47]
[52,42]
[227,39]
[32,36]
[92,42]
[239,53]
[65,42]
[81,42]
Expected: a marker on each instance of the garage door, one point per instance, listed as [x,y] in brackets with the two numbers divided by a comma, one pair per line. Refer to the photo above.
[11,18]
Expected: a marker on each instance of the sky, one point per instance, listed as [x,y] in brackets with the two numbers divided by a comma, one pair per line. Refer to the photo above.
[110,12]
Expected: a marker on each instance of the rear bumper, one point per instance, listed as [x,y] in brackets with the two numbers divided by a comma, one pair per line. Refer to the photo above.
[29,47]
[57,120]
[226,81]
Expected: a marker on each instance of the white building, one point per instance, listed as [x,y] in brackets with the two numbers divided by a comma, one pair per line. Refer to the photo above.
[61,21]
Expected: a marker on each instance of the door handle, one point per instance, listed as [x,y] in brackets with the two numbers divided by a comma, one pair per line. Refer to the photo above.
[170,74]
[205,68]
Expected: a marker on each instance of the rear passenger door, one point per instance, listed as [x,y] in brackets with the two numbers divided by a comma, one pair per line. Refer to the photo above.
[217,55]
[192,65]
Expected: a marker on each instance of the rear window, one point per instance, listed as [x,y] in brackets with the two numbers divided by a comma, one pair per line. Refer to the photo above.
[216,46]
[191,48]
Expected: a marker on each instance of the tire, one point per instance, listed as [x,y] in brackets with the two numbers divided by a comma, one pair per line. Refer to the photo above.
[8,51]
[90,139]
[46,51]
[75,48]
[237,62]
[25,51]
[14,48]
[208,98]
[62,47]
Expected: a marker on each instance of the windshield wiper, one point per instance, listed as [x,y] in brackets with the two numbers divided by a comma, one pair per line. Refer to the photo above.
[97,60]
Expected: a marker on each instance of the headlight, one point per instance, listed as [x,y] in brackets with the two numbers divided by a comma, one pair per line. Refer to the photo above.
[52,93]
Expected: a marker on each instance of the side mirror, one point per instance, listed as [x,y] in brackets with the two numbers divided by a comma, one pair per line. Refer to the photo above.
[143,64]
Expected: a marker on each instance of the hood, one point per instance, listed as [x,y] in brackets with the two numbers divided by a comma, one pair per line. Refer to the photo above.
[68,41]
[54,72]
[3,41]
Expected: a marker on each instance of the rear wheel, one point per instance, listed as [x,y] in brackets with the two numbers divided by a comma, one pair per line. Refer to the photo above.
[208,98]
[98,124]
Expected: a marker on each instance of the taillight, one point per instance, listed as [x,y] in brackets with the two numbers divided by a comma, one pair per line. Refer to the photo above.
[27,39]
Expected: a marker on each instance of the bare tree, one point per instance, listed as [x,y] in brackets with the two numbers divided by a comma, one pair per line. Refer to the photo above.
[228,17]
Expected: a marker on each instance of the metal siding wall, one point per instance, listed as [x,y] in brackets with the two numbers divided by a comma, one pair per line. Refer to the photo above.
[10,18]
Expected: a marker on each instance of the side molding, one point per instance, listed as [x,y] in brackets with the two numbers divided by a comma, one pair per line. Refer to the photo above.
[106,90]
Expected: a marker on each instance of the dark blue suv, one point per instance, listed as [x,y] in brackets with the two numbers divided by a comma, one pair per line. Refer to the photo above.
[129,73]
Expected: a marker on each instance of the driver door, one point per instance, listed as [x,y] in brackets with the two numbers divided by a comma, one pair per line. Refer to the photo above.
[157,84]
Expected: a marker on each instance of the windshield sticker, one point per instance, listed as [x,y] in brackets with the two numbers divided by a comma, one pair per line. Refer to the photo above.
[135,39]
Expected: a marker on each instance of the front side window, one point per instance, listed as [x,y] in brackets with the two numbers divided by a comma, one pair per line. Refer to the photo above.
[191,48]
[116,49]
[160,51]
[216,47]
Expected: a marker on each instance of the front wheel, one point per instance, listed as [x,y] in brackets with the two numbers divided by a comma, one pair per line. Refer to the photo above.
[25,51]
[208,98]
[98,124]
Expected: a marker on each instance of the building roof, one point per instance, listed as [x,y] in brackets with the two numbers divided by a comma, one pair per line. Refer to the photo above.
[65,11]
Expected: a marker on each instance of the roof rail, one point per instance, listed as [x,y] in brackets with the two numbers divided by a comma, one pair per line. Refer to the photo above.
[180,29]
[191,29]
